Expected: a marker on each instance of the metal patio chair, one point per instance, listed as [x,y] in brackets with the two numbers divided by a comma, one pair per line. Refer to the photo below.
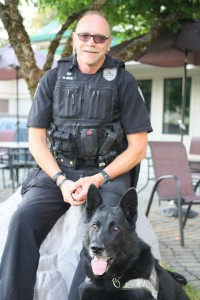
[13,161]
[5,165]
[195,149]
[195,166]
[173,179]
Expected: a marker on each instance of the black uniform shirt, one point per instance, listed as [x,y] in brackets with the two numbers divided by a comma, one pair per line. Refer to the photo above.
[129,105]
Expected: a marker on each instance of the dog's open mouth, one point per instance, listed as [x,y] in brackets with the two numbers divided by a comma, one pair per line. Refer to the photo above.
[101,264]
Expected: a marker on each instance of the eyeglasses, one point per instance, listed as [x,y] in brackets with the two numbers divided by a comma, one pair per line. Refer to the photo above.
[98,38]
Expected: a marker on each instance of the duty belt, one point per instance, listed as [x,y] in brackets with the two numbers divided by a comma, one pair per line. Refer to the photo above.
[99,162]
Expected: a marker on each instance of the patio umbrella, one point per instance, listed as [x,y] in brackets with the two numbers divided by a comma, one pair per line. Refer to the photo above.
[172,49]
[9,69]
[9,62]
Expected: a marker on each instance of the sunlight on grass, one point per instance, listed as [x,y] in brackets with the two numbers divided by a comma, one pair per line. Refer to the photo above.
[191,291]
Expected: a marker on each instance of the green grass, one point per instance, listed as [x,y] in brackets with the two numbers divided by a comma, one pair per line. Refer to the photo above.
[191,291]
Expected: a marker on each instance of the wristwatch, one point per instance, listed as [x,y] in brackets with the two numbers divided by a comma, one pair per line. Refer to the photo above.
[55,177]
[105,177]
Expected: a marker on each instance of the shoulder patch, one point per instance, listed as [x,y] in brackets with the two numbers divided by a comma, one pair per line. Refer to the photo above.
[110,74]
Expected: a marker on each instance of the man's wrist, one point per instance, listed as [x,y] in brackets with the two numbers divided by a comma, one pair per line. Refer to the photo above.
[106,177]
[58,176]
[62,181]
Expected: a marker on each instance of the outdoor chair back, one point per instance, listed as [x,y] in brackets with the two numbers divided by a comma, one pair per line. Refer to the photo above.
[173,178]
[195,145]
[195,149]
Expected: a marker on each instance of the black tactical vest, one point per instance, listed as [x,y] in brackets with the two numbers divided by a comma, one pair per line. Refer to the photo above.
[83,131]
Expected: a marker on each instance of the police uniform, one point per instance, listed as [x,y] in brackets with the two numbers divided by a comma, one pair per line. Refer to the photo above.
[87,117]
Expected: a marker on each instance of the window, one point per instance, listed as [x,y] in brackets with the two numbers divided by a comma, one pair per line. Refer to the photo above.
[172,105]
[145,86]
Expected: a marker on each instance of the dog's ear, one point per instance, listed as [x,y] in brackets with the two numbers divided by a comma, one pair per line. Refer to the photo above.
[128,204]
[94,200]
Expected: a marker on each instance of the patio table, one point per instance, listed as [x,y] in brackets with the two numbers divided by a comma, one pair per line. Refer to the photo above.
[18,156]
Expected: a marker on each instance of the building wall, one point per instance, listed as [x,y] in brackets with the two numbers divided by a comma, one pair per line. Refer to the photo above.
[8,91]
[157,75]
[195,106]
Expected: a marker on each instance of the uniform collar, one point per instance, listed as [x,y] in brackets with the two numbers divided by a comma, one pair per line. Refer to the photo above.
[108,62]
[111,63]
[71,59]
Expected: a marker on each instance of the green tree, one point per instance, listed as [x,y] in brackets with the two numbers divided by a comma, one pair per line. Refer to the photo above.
[129,19]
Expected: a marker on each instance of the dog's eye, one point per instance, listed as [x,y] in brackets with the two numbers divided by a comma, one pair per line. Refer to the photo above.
[116,228]
[94,226]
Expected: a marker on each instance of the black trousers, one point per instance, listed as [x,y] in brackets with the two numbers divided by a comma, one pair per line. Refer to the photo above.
[41,207]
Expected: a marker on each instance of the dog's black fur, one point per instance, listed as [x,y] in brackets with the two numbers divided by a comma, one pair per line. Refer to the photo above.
[111,235]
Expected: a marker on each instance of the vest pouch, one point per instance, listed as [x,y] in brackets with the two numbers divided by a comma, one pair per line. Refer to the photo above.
[89,144]
[65,144]
[68,146]
[66,162]
[57,145]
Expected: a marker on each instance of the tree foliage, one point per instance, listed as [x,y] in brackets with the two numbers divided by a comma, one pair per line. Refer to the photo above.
[129,19]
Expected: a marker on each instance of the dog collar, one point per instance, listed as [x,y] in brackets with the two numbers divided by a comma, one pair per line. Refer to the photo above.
[150,284]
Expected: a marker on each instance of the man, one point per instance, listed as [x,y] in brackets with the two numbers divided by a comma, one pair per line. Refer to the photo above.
[97,123]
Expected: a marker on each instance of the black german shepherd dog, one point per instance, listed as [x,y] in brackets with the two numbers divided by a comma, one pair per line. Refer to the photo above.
[118,264]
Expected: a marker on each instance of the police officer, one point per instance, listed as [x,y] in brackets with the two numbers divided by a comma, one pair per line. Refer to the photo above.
[88,124]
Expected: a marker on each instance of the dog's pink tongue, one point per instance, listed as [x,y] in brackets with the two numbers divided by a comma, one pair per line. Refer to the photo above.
[99,265]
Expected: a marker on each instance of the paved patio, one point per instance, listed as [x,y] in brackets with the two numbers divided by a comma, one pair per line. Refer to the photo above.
[185,260]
